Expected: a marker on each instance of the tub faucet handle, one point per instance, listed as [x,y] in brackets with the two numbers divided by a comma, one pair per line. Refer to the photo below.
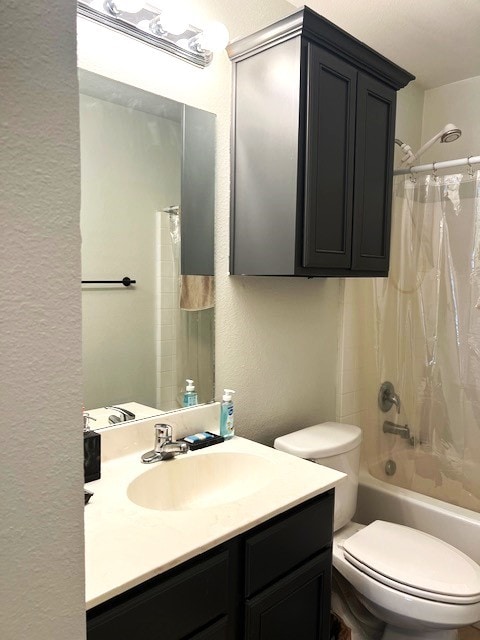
[387,397]
[395,399]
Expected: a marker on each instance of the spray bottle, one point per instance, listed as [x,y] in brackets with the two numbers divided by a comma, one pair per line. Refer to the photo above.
[190,396]
[226,414]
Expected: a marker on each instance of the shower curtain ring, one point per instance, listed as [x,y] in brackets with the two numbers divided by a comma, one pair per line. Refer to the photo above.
[435,171]
[412,177]
[470,167]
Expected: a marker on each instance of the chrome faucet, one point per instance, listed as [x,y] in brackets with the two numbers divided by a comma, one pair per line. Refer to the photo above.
[164,447]
[124,416]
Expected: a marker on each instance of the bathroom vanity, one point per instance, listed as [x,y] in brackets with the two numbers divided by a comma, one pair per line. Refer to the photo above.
[272,582]
[251,559]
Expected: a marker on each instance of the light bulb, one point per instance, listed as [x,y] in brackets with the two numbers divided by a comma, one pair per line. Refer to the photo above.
[215,37]
[144,25]
[173,22]
[129,6]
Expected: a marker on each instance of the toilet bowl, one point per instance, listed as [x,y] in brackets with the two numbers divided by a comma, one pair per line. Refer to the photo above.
[420,586]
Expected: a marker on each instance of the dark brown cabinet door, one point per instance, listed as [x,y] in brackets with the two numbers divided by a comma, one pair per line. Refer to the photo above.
[330,145]
[373,175]
[298,606]
[173,609]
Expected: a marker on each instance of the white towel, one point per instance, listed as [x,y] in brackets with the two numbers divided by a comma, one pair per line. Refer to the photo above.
[197,292]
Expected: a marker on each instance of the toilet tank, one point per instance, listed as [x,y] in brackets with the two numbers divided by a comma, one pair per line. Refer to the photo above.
[334,445]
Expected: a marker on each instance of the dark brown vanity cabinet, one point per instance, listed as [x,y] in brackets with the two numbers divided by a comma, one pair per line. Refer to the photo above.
[313,142]
[271,583]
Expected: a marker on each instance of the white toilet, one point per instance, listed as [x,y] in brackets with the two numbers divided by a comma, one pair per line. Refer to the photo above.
[420,586]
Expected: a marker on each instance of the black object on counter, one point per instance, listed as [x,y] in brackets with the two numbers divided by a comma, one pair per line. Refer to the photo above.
[91,455]
[212,438]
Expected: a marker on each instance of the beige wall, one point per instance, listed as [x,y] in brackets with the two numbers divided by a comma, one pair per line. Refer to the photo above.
[408,126]
[276,338]
[459,103]
[41,519]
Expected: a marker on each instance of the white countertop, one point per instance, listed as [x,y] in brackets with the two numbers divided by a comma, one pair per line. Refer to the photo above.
[127,544]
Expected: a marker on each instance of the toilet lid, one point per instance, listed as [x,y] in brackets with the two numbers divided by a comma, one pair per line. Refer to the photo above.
[321,440]
[414,562]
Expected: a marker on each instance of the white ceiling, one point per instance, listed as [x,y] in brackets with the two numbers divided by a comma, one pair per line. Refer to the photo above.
[436,40]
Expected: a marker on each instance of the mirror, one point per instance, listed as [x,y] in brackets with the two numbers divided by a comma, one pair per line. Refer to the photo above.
[147,167]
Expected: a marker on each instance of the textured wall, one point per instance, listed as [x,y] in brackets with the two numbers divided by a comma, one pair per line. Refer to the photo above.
[276,338]
[41,514]
[457,102]
[408,125]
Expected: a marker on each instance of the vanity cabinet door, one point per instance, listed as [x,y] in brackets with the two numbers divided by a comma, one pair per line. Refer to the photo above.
[286,542]
[175,608]
[297,606]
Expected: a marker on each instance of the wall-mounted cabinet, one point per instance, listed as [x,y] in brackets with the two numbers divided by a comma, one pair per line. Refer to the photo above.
[313,142]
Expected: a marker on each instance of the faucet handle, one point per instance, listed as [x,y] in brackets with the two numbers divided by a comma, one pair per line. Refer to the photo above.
[163,430]
[387,397]
[163,435]
[86,418]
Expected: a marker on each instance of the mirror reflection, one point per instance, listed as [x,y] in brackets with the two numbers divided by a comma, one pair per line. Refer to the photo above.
[147,166]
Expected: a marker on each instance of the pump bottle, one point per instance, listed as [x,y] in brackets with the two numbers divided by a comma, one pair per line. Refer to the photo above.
[226,414]
[190,396]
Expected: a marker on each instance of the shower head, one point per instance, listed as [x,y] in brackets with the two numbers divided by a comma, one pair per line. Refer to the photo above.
[173,208]
[449,133]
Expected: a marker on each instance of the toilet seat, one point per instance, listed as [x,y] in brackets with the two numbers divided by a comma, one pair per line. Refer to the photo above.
[414,563]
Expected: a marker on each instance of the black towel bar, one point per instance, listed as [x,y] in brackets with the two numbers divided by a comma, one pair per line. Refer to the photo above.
[125,281]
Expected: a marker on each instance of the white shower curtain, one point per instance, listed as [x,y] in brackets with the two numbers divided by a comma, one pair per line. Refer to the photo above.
[427,327]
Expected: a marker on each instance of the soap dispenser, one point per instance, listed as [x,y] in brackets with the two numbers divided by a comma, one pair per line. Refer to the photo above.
[190,397]
[226,414]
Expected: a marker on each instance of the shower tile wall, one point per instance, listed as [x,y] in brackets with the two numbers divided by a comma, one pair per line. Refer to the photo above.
[166,311]
[357,370]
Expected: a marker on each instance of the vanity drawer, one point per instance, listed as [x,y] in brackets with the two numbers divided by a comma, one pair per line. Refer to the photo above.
[173,609]
[295,607]
[288,542]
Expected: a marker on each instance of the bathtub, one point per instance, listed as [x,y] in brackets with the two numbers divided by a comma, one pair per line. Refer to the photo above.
[378,500]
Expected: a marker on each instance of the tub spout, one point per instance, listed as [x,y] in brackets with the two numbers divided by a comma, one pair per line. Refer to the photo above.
[399,430]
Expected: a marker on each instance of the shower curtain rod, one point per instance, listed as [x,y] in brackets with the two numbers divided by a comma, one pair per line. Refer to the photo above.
[433,166]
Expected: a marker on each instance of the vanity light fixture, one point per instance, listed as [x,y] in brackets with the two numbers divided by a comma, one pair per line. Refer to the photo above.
[161,27]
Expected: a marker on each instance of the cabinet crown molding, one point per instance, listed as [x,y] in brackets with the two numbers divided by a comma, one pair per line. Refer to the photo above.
[307,23]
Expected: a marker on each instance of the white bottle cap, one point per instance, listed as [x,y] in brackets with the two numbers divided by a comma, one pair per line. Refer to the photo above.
[190,386]
[227,395]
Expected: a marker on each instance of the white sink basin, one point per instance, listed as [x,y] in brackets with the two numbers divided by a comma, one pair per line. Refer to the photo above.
[201,481]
